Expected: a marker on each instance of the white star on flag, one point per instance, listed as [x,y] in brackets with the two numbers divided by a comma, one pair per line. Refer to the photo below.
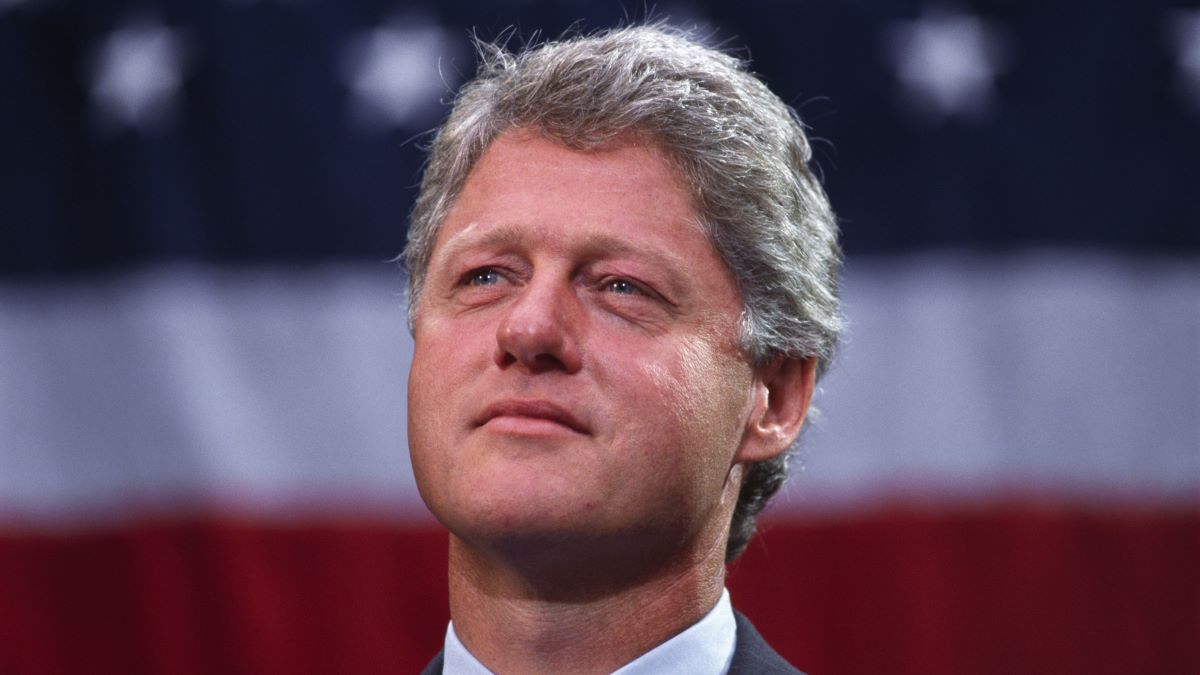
[397,73]
[137,73]
[946,63]
[1184,26]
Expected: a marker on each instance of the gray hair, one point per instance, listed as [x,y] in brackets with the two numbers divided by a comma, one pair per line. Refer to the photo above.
[741,150]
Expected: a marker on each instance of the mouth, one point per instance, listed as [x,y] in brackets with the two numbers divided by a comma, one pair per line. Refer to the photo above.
[529,416]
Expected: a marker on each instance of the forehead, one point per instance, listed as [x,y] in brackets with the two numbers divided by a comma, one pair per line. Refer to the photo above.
[630,167]
[628,189]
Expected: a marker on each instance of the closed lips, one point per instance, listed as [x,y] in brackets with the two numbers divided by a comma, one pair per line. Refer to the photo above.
[544,410]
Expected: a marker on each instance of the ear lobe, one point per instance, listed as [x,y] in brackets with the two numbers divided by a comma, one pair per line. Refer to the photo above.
[783,391]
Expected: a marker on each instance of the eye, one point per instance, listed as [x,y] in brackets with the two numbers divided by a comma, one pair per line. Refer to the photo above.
[485,276]
[622,287]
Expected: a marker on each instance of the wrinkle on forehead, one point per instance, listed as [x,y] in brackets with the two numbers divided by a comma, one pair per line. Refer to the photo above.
[631,139]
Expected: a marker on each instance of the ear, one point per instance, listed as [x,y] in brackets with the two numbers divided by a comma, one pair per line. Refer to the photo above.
[783,390]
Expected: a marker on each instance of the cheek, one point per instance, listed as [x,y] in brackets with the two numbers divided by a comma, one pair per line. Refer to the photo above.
[421,435]
[423,385]
[437,382]
[703,397]
[446,356]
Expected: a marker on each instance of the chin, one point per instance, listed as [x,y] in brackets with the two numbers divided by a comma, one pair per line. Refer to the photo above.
[534,520]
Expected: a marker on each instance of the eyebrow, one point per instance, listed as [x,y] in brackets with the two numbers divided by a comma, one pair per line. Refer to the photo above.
[493,236]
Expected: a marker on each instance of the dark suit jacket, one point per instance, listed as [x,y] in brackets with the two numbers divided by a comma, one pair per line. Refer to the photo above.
[751,655]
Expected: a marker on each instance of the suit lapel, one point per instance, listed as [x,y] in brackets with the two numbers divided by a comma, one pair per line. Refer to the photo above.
[435,666]
[753,656]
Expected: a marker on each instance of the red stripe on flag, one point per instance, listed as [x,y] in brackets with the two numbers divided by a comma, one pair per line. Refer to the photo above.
[218,596]
[1012,588]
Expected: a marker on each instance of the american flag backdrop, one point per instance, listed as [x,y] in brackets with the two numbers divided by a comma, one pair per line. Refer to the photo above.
[203,355]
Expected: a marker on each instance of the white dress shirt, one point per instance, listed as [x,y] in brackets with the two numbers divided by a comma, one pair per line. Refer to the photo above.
[706,648]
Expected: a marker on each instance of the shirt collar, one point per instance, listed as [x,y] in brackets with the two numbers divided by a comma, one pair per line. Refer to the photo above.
[459,661]
[706,648]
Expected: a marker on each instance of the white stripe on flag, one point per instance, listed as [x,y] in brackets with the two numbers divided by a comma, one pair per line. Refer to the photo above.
[1047,373]
[177,388]
[281,392]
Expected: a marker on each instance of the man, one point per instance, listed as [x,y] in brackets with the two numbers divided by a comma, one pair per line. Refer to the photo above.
[623,290]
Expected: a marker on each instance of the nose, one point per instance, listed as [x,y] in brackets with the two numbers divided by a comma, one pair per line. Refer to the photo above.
[538,332]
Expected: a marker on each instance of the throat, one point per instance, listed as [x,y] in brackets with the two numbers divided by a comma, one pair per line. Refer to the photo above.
[529,621]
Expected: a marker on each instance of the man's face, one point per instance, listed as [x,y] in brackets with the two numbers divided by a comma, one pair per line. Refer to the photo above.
[576,375]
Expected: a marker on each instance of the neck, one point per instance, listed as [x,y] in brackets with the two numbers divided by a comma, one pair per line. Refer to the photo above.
[590,617]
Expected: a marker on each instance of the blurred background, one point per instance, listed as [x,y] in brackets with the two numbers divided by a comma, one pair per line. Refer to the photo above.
[203,352]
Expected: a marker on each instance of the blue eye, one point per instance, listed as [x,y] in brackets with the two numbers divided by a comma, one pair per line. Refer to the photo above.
[621,286]
[483,277]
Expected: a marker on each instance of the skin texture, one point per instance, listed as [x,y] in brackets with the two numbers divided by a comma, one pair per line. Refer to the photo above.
[579,407]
